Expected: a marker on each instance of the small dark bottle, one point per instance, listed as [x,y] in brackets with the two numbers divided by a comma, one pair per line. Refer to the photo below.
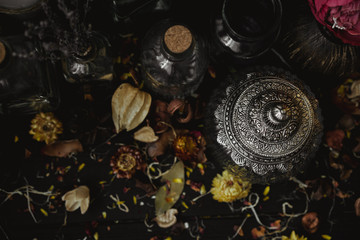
[27,81]
[91,63]
[245,30]
[174,60]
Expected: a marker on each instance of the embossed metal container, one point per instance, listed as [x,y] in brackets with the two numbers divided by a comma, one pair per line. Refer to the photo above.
[265,123]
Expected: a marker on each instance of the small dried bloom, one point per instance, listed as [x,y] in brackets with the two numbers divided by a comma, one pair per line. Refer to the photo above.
[228,188]
[126,161]
[293,236]
[189,146]
[45,127]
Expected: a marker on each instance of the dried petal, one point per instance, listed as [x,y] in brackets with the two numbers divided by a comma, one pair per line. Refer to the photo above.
[166,198]
[145,134]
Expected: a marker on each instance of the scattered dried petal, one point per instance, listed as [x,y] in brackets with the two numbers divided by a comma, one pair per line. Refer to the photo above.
[325,236]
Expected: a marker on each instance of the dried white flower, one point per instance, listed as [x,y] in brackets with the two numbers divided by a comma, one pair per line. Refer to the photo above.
[167,219]
[79,197]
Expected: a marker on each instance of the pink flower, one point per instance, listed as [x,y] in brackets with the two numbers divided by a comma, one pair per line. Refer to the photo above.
[341,17]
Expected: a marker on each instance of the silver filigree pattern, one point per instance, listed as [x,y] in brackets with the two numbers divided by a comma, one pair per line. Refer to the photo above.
[268,123]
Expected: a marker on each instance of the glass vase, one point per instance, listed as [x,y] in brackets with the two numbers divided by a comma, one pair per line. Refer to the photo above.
[27,80]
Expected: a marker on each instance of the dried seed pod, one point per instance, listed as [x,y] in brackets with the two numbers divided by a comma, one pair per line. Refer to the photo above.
[130,106]
[145,134]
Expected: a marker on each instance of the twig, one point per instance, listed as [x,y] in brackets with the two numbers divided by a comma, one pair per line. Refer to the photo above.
[3,231]
[252,207]
[28,202]
[239,228]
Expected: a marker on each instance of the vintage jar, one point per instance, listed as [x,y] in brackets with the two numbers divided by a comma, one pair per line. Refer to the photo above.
[265,123]
[245,30]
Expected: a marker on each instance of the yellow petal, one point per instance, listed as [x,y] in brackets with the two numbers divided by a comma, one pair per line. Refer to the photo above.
[44,212]
[325,236]
[266,190]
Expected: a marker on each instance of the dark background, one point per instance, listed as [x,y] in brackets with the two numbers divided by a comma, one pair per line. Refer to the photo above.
[217,221]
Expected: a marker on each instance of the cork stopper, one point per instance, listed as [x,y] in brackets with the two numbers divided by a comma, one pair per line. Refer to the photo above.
[2,52]
[178,38]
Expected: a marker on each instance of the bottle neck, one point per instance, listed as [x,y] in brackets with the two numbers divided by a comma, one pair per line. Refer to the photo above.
[178,42]
[88,51]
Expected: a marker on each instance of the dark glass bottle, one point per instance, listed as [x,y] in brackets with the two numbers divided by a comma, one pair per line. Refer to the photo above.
[94,63]
[245,30]
[174,60]
[125,10]
[27,80]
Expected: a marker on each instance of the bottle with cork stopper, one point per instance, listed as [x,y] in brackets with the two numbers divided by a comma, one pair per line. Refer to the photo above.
[173,60]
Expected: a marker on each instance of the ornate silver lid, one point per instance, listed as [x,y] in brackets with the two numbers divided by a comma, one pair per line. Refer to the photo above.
[268,122]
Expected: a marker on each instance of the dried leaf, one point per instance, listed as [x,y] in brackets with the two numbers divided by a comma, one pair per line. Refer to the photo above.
[129,106]
[145,134]
[147,187]
[62,148]
[166,198]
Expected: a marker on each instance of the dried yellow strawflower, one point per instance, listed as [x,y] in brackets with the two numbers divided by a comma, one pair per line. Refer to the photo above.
[293,236]
[228,188]
[45,127]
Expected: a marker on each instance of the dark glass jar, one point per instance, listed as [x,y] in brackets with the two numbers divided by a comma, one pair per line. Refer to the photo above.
[245,30]
[124,10]
[174,60]
[27,81]
[92,64]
